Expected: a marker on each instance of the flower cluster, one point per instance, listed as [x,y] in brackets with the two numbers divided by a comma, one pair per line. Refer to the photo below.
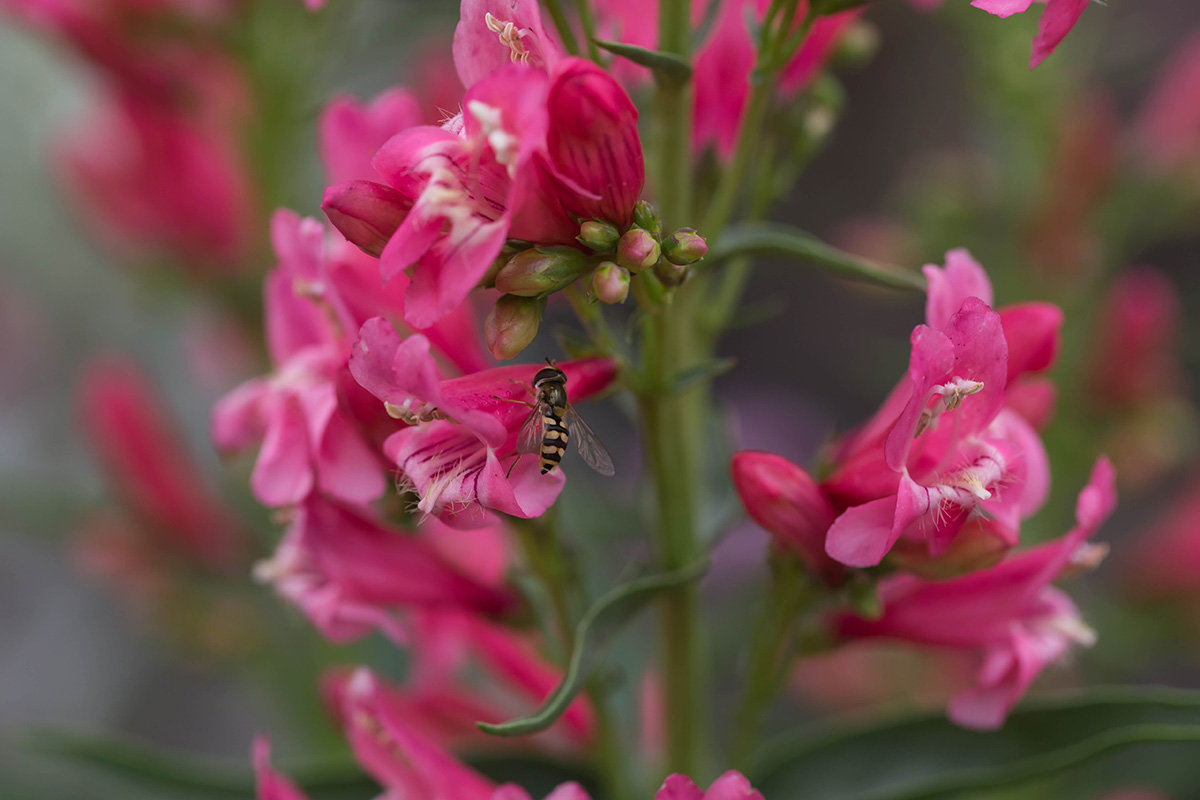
[937,483]
[158,166]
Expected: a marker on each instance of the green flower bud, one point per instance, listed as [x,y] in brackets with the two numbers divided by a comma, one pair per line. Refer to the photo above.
[646,217]
[638,250]
[512,325]
[598,235]
[541,270]
[610,283]
[684,247]
[669,273]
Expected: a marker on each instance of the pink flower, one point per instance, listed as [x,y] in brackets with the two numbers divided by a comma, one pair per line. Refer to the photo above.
[944,471]
[533,149]
[350,575]
[725,61]
[1009,615]
[730,786]
[309,442]
[1134,361]
[783,499]
[269,784]
[493,33]
[351,132]
[456,198]
[150,466]
[592,143]
[1166,556]
[1167,127]
[1056,21]
[151,179]
[458,452]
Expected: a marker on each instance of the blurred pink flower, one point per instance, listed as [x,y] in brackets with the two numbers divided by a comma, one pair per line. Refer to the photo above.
[158,480]
[1167,127]
[351,132]
[1009,615]
[1134,360]
[1165,562]
[458,453]
[269,784]
[152,179]
[350,574]
[1055,23]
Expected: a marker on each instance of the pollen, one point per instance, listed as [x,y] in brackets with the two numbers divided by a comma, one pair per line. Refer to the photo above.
[510,36]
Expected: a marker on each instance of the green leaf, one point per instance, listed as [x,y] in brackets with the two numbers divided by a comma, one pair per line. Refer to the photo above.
[328,779]
[667,66]
[774,239]
[704,371]
[926,756]
[602,620]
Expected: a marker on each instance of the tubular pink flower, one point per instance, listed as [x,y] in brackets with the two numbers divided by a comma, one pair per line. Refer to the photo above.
[351,132]
[1055,23]
[468,194]
[150,178]
[493,33]
[350,575]
[592,142]
[1167,128]
[269,784]
[783,499]
[130,432]
[730,786]
[458,452]
[1008,615]
[407,764]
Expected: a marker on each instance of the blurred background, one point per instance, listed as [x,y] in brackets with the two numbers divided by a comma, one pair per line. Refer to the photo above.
[1078,183]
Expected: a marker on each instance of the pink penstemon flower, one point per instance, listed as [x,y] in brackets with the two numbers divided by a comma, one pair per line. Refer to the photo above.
[533,149]
[1008,615]
[1057,20]
[350,574]
[459,451]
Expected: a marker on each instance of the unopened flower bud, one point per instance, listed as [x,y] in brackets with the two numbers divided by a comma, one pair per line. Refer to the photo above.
[858,45]
[541,270]
[366,213]
[610,283]
[598,235]
[510,249]
[646,217]
[512,325]
[684,247]
[669,273]
[638,250]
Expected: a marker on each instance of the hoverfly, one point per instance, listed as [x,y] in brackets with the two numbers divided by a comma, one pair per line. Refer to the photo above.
[553,421]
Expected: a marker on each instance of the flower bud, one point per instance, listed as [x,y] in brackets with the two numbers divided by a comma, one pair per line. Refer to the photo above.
[646,217]
[598,235]
[610,283]
[638,250]
[858,44]
[684,247]
[670,274]
[512,325]
[541,270]
[366,213]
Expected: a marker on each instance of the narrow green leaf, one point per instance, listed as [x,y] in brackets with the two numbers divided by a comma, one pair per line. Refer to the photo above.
[925,756]
[667,66]
[601,621]
[774,239]
[199,777]
[686,379]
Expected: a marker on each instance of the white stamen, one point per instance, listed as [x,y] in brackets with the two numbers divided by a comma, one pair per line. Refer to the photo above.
[510,36]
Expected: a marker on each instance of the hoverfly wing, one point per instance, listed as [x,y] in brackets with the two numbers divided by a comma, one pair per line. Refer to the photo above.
[588,444]
[529,440]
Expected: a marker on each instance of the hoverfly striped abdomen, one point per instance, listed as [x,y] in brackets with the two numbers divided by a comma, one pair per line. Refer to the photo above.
[554,437]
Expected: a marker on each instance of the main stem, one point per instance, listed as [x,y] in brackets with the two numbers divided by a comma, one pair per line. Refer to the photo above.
[671,420]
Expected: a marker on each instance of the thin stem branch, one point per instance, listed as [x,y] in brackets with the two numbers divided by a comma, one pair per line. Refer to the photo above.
[584,7]
[563,25]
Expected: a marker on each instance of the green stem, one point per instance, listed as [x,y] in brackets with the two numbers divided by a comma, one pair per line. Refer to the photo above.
[553,566]
[589,28]
[563,25]
[670,421]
